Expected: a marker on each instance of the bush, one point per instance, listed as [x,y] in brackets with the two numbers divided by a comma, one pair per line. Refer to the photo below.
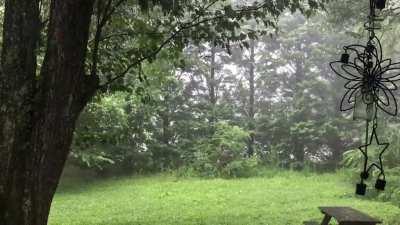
[240,168]
[203,165]
[223,154]
[103,139]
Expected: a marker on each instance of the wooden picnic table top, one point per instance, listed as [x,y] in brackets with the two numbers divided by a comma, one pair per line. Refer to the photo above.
[347,215]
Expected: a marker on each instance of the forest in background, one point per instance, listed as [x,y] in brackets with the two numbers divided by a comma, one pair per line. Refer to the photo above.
[229,110]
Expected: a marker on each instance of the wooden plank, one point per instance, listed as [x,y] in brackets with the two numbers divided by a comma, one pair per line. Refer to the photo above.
[347,215]
[326,219]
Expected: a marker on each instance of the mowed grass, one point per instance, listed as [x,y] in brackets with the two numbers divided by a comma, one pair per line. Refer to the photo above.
[286,198]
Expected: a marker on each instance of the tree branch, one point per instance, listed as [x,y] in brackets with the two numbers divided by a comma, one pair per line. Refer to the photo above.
[183,27]
[102,20]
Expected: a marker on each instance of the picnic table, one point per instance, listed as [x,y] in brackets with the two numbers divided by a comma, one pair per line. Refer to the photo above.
[345,216]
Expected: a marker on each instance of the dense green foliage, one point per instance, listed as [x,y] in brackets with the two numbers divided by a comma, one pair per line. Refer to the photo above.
[275,199]
[250,91]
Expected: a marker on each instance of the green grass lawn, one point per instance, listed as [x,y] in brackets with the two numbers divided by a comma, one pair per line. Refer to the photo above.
[284,199]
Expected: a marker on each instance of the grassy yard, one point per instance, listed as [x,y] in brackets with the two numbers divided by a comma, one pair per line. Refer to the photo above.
[284,199]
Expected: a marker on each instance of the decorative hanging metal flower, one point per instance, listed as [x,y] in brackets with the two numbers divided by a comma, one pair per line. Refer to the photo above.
[371,83]
[370,78]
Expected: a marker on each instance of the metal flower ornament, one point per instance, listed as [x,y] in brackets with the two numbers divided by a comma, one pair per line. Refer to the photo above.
[371,83]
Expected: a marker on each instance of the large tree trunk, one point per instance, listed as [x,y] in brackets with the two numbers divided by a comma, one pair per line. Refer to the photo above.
[18,62]
[38,113]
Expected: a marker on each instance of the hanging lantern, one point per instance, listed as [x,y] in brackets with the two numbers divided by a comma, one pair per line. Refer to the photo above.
[371,83]
[380,4]
[361,189]
[380,184]
[345,58]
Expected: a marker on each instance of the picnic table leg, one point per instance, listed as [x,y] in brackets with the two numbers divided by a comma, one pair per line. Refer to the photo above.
[326,220]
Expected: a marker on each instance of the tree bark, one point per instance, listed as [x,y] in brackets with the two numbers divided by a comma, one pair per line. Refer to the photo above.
[18,62]
[251,126]
[337,148]
[38,113]
[165,118]
[300,76]
[212,83]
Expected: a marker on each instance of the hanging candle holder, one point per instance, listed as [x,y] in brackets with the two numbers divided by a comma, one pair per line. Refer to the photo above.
[380,183]
[371,83]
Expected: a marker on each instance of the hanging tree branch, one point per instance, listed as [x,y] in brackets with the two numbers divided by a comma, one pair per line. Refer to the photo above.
[193,23]
[104,15]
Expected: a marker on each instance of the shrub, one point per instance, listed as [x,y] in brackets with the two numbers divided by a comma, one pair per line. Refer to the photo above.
[224,153]
[246,167]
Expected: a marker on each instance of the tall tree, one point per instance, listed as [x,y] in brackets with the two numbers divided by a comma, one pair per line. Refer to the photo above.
[252,90]
[38,113]
[212,83]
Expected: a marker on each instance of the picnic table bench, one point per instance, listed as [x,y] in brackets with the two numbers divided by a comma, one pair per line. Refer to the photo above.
[345,216]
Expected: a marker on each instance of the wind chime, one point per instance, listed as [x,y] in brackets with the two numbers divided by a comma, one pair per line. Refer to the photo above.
[371,83]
